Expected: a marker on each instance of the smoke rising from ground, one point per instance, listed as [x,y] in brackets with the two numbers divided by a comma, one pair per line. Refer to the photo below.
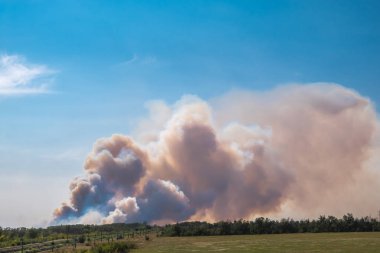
[298,151]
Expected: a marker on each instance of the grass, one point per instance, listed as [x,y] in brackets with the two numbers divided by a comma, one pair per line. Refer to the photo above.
[295,243]
[111,247]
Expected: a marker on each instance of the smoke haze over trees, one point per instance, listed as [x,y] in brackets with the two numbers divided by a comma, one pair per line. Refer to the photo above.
[262,225]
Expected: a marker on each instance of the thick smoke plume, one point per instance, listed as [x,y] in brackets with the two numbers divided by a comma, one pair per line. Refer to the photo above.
[295,151]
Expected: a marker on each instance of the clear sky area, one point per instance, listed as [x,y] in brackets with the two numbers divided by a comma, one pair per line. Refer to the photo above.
[75,71]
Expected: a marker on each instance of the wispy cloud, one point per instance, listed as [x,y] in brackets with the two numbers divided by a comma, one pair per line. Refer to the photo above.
[18,77]
[139,60]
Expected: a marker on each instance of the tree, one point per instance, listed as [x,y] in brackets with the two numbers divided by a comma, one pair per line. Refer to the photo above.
[32,233]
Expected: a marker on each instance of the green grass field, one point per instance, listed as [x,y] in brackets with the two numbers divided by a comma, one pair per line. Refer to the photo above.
[323,242]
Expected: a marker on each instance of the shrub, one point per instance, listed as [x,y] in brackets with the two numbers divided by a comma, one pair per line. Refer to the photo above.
[115,247]
[81,239]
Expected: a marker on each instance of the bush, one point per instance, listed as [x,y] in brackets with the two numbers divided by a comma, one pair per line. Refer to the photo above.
[81,239]
[115,247]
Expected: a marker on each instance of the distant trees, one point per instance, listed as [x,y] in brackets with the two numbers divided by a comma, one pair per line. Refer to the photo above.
[32,233]
[15,236]
[263,225]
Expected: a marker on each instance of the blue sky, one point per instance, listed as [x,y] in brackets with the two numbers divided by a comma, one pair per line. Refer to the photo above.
[101,61]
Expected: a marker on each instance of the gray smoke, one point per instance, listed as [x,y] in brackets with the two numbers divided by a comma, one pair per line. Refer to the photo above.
[294,151]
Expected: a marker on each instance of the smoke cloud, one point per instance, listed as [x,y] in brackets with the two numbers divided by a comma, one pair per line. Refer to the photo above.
[297,151]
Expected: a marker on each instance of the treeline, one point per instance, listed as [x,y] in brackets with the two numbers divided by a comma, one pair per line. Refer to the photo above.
[348,223]
[267,226]
[81,229]
[17,236]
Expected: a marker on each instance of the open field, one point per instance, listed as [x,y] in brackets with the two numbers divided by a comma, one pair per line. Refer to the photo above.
[310,242]
[84,238]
